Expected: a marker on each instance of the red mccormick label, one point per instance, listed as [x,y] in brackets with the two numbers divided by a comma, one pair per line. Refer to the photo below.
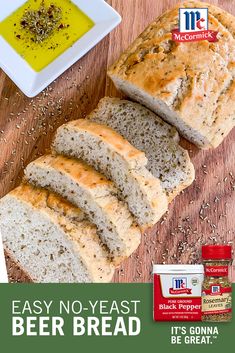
[216,271]
[177,298]
[216,300]
[193,26]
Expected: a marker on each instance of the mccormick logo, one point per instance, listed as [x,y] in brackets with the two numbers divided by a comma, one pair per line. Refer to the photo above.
[179,286]
[215,290]
[216,271]
[193,20]
[193,26]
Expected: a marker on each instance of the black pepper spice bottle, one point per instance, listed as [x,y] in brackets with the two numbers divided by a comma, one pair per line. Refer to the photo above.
[216,287]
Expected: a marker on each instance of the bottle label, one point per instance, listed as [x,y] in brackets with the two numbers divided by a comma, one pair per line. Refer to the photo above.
[177,297]
[216,300]
[216,271]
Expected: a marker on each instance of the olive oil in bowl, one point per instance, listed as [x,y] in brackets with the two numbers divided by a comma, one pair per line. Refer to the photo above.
[40,31]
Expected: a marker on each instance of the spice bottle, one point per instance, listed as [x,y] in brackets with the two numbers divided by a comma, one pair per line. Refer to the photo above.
[177,292]
[216,287]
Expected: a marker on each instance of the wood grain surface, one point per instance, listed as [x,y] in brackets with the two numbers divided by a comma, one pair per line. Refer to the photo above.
[205,212]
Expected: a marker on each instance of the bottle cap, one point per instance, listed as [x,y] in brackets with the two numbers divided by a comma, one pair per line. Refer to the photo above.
[217,252]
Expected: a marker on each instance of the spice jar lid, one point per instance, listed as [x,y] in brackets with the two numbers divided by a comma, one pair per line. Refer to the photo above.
[217,252]
[178,269]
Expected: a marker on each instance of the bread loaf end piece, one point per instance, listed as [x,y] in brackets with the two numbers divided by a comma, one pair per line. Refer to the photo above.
[190,85]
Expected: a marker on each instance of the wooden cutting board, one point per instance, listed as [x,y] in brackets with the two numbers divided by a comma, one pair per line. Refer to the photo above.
[205,211]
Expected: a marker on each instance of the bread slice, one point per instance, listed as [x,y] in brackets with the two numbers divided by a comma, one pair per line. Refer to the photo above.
[94,194]
[190,85]
[111,154]
[167,160]
[50,239]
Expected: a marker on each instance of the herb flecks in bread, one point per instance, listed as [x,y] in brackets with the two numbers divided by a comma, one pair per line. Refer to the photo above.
[51,239]
[111,154]
[94,194]
[190,85]
[147,132]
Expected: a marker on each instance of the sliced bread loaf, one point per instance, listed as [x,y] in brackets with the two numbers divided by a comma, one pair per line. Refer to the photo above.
[167,160]
[93,193]
[50,238]
[112,155]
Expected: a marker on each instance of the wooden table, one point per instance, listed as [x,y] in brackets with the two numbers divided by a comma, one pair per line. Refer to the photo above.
[206,210]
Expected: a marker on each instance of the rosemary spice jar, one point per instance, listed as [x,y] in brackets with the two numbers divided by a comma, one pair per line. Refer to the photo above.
[216,287]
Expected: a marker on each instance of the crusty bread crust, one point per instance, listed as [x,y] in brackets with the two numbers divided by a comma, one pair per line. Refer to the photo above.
[16,274]
[43,198]
[86,175]
[106,134]
[185,83]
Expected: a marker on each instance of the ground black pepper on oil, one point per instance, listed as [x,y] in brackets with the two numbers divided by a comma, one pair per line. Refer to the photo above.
[216,287]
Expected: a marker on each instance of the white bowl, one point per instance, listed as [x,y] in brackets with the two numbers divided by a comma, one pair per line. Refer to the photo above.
[31,82]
